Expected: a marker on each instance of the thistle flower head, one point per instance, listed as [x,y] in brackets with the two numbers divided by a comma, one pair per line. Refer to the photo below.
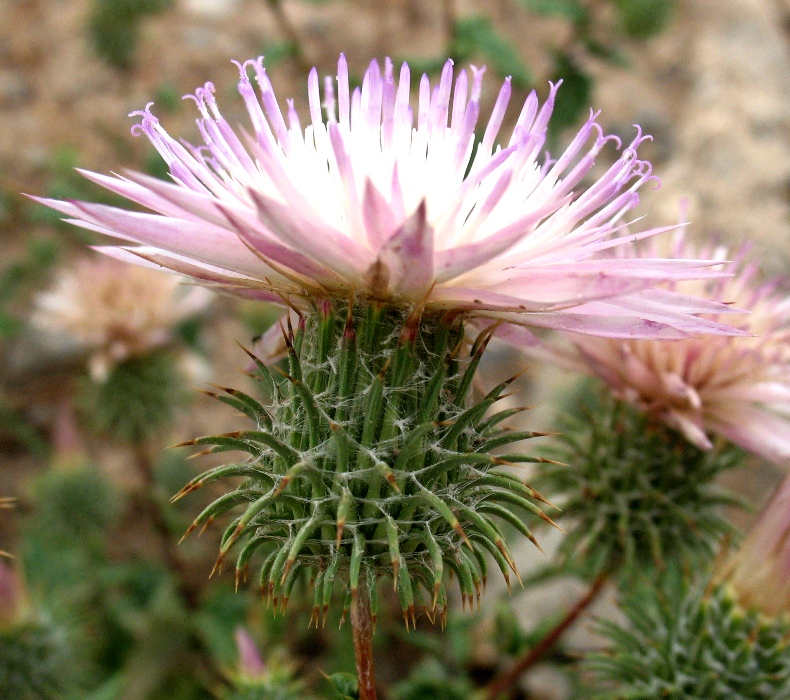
[735,386]
[116,311]
[398,202]
[759,572]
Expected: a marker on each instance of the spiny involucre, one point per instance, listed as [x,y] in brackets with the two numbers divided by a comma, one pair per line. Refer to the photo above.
[363,199]
[369,462]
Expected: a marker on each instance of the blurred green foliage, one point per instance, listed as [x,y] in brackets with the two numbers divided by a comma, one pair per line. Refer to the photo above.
[37,663]
[115,27]
[477,36]
[138,399]
[21,275]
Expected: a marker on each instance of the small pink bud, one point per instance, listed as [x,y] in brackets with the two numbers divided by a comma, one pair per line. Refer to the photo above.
[250,662]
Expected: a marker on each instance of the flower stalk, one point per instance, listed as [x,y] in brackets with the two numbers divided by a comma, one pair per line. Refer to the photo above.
[362,630]
[545,645]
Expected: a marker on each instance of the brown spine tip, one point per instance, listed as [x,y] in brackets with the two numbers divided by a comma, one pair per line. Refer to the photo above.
[190,529]
[534,541]
[281,486]
[545,517]
[189,488]
[188,443]
[429,614]
[288,565]
[217,568]
[206,525]
[390,477]
[457,527]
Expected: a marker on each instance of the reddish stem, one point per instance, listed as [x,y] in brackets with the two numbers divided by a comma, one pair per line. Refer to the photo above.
[509,678]
[362,629]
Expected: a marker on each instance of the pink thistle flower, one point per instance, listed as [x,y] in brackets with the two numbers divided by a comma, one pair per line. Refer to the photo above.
[759,572]
[737,387]
[363,200]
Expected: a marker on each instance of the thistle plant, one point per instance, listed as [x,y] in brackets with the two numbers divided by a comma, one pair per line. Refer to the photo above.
[726,640]
[392,241]
[733,386]
[255,680]
[683,643]
[124,321]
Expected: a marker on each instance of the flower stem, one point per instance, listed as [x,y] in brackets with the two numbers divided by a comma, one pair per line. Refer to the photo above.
[172,558]
[362,629]
[509,678]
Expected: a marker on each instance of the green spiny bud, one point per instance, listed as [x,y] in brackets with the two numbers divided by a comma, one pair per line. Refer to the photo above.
[370,460]
[684,643]
[634,492]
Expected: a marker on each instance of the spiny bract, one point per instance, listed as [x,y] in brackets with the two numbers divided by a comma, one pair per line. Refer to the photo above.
[371,460]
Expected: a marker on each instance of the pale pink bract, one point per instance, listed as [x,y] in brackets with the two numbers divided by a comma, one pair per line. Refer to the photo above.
[362,202]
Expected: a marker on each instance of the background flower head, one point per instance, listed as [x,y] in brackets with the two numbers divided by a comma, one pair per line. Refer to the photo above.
[736,387]
[379,198]
[115,311]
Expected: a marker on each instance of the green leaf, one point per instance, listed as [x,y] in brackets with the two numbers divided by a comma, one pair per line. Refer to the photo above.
[477,35]
[604,51]
[279,51]
[345,686]
[114,28]
[573,97]
[642,19]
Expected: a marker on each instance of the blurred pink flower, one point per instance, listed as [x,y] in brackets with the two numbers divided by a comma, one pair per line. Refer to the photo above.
[759,572]
[115,311]
[363,201]
[736,387]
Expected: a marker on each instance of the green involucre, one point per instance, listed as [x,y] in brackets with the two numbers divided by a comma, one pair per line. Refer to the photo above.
[635,493]
[368,461]
[138,399]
